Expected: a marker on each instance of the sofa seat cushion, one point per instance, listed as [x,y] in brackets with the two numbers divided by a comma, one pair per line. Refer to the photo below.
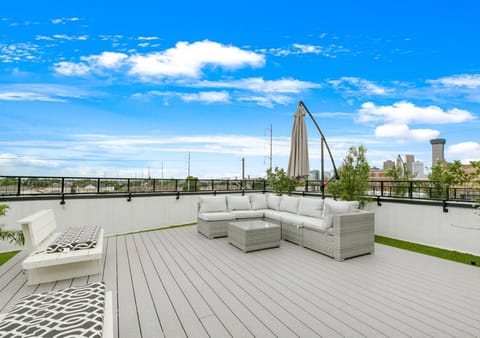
[212,203]
[318,227]
[238,203]
[216,216]
[310,207]
[311,222]
[297,220]
[274,214]
[273,201]
[332,208]
[248,213]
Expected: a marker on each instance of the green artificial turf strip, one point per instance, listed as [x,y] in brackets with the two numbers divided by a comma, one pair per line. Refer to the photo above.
[5,256]
[429,250]
[155,229]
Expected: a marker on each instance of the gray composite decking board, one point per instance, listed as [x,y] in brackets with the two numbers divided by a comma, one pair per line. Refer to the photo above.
[188,318]
[246,284]
[179,274]
[267,319]
[110,277]
[147,314]
[408,315]
[457,281]
[326,285]
[240,310]
[202,292]
[128,323]
[411,298]
[331,325]
[169,320]
[259,277]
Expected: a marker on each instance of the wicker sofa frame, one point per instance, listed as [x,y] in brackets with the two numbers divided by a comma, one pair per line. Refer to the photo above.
[351,235]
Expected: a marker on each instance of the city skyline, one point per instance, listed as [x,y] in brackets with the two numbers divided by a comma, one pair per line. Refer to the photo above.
[147,89]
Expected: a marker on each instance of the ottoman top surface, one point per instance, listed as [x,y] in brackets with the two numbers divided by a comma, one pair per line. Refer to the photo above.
[254,225]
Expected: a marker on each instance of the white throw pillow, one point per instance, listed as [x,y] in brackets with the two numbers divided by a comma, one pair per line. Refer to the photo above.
[273,202]
[238,203]
[332,207]
[212,203]
[310,207]
[289,204]
[258,202]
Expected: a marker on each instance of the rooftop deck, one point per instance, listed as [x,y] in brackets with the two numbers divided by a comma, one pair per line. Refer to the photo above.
[177,283]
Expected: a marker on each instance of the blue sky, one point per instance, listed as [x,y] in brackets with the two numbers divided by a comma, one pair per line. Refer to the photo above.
[129,89]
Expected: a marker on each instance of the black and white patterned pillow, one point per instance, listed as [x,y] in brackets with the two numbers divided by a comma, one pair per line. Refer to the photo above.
[75,238]
[72,312]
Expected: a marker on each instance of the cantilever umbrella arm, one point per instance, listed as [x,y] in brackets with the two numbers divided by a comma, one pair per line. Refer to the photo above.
[323,142]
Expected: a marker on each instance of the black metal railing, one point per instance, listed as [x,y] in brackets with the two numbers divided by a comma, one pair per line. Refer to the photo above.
[39,186]
[17,186]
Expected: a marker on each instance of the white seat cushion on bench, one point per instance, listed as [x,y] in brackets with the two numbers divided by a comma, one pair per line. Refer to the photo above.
[332,208]
[238,203]
[310,207]
[248,213]
[259,202]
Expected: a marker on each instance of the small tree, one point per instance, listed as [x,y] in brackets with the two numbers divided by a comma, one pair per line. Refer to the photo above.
[354,174]
[399,178]
[445,175]
[279,181]
[12,236]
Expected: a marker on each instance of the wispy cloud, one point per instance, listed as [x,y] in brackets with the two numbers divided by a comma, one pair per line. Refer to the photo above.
[461,80]
[147,38]
[18,52]
[357,86]
[64,20]
[330,50]
[40,92]
[267,100]
[70,37]
[204,97]
[258,84]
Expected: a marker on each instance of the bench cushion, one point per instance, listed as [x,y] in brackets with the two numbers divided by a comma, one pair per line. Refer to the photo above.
[273,202]
[212,203]
[273,214]
[73,312]
[75,238]
[332,208]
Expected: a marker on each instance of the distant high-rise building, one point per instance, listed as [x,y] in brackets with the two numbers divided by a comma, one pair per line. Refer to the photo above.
[418,168]
[388,164]
[438,145]
[409,160]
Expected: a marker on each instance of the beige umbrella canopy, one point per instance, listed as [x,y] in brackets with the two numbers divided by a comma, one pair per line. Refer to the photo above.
[298,165]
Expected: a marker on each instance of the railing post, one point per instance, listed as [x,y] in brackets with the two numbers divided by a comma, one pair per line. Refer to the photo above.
[19,186]
[447,193]
[128,185]
[410,190]
[98,185]
[176,185]
[381,187]
[306,185]
[63,185]
[213,185]
[228,185]
[153,185]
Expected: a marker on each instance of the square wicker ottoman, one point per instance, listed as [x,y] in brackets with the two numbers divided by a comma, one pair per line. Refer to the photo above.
[254,235]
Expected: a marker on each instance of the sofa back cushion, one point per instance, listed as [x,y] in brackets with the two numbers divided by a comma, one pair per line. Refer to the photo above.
[238,203]
[289,204]
[273,202]
[332,208]
[259,202]
[212,203]
[312,207]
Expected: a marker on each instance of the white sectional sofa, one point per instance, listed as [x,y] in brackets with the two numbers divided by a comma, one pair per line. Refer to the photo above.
[335,228]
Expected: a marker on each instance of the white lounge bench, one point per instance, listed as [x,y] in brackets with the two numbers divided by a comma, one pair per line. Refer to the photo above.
[43,267]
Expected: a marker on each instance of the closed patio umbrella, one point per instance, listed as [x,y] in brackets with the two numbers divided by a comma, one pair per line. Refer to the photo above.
[298,165]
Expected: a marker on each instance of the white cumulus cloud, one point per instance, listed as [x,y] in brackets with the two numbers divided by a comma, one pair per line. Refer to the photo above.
[405,112]
[402,132]
[465,152]
[110,60]
[187,59]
